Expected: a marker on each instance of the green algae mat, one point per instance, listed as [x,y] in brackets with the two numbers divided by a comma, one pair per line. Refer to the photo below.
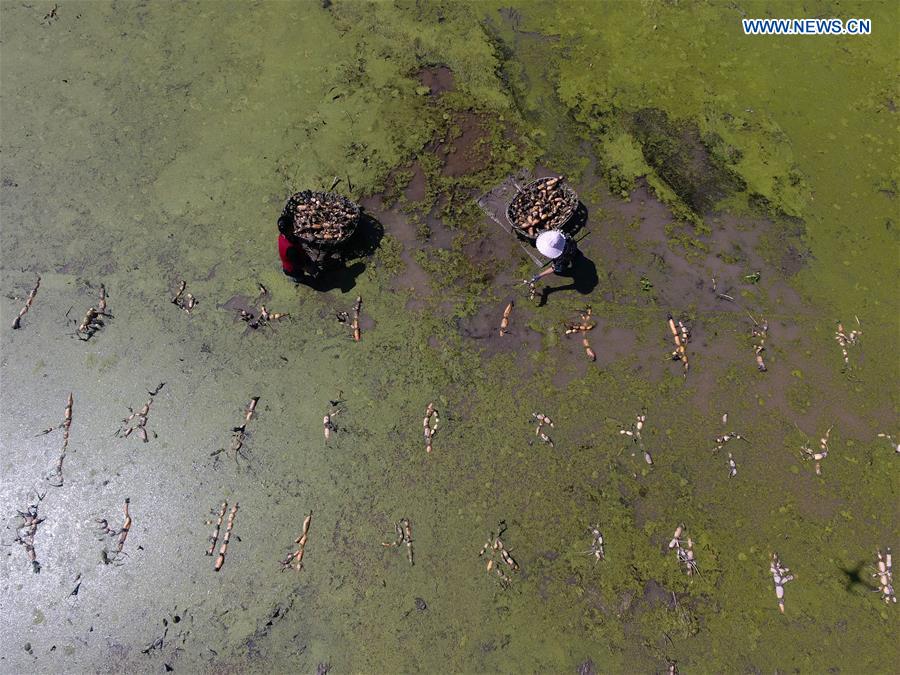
[733,181]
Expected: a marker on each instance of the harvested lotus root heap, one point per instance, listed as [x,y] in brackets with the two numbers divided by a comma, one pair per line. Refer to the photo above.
[322,216]
[545,204]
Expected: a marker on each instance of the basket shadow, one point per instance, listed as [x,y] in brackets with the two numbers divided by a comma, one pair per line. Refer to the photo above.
[578,220]
[366,239]
[335,273]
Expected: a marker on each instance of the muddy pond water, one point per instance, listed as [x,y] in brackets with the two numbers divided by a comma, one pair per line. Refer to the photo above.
[726,180]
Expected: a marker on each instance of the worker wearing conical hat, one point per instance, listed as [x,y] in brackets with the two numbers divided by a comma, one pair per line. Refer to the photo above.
[562,251]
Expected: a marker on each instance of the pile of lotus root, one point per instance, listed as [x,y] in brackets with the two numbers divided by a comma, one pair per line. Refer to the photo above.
[545,204]
[322,216]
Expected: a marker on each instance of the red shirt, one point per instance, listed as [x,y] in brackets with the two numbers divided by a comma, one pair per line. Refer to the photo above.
[288,251]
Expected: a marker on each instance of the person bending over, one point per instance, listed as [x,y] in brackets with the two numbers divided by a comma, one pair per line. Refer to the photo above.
[295,261]
[562,250]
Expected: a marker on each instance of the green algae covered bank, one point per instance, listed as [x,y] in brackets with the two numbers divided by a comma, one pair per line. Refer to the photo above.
[147,143]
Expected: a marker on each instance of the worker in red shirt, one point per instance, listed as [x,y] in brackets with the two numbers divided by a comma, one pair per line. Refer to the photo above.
[295,262]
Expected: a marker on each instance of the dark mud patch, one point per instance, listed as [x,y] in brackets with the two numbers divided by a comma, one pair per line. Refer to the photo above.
[212,272]
[418,185]
[789,384]
[709,354]
[494,251]
[484,329]
[792,261]
[684,159]
[655,594]
[612,342]
[417,233]
[468,152]
[438,79]
[571,366]
[398,225]
[435,233]
[645,258]
[236,303]
[814,502]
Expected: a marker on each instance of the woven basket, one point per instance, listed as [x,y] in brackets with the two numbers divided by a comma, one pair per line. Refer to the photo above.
[321,232]
[561,215]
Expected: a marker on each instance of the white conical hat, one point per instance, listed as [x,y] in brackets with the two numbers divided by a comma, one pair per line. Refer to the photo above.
[551,243]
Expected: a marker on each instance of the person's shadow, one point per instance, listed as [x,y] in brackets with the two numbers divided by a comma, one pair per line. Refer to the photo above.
[583,271]
[336,273]
[584,278]
[343,277]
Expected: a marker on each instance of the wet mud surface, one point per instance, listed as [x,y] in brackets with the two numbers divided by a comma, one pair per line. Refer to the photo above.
[438,79]
[421,112]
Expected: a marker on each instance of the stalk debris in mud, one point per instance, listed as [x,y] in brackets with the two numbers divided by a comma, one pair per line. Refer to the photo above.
[780,576]
[214,537]
[845,340]
[725,438]
[596,548]
[28,528]
[684,551]
[22,312]
[430,425]
[186,302]
[720,296]
[223,549]
[494,547]
[239,434]
[884,572]
[140,417]
[635,434]
[56,478]
[504,322]
[721,442]
[890,439]
[121,533]
[295,559]
[681,335]
[403,527]
[817,455]
[93,318]
[759,333]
